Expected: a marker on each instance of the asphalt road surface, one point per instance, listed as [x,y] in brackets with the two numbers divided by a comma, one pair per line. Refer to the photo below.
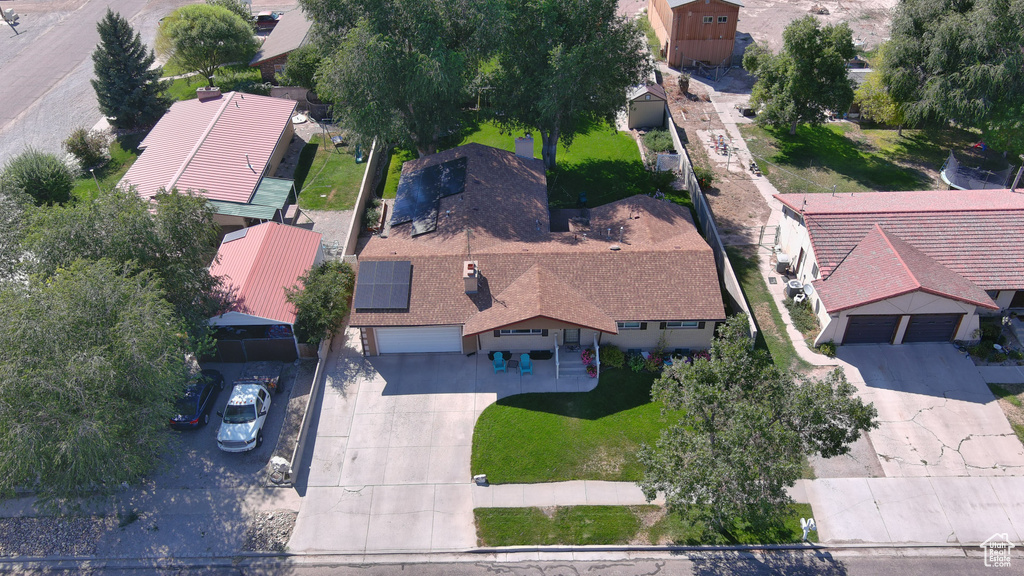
[46,65]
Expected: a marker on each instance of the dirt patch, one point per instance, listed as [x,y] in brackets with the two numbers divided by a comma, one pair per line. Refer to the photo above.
[604,463]
[763,315]
[765,20]
[648,516]
[269,531]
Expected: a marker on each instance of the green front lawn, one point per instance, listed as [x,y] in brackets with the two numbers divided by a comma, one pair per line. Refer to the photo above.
[228,78]
[853,158]
[611,525]
[605,164]
[772,334]
[569,436]
[328,178]
[123,152]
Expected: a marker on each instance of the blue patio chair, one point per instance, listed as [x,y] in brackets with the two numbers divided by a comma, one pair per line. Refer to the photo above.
[525,365]
[499,362]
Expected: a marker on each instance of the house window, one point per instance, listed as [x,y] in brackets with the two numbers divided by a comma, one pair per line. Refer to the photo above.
[529,332]
[687,324]
[279,69]
[723,19]
[628,325]
[814,271]
[709,19]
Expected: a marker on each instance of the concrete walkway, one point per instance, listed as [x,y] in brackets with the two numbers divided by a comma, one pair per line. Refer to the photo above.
[1002,374]
[578,493]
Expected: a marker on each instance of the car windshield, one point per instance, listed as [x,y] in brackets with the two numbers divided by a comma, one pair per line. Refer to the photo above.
[239,414]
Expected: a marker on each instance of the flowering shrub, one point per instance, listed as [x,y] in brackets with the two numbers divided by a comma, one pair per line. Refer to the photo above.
[587,355]
[653,364]
[702,355]
[592,371]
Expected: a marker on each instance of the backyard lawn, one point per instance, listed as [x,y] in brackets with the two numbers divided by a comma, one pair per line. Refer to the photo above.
[228,78]
[123,152]
[771,328]
[327,178]
[605,164]
[856,159]
[569,436]
[592,525]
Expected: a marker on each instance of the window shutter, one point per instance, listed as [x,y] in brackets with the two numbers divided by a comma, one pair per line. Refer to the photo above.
[497,333]
[643,325]
[663,325]
[700,325]
[544,332]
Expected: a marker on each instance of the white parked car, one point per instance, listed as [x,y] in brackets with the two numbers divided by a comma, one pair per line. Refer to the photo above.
[242,421]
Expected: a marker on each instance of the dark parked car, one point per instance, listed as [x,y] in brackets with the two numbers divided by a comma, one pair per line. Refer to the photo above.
[267,20]
[195,405]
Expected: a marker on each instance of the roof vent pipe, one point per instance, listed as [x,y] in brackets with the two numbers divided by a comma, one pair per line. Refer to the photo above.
[249,164]
[620,234]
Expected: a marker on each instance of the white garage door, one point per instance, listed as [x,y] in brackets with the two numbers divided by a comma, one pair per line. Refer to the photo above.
[419,339]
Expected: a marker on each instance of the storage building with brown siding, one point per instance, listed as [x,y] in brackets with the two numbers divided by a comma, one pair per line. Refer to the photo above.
[692,31]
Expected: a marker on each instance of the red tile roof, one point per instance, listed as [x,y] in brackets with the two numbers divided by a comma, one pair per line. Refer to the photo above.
[663,269]
[202,145]
[975,233]
[883,266]
[261,263]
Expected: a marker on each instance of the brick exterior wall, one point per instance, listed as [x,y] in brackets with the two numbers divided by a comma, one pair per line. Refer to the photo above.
[267,67]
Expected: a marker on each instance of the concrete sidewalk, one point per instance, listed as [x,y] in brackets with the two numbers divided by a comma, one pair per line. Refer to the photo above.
[578,493]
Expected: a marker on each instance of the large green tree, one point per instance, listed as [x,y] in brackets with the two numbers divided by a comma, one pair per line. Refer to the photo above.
[321,300]
[177,242]
[744,428]
[563,65]
[91,359]
[961,61]
[398,70]
[128,89]
[202,38]
[806,79]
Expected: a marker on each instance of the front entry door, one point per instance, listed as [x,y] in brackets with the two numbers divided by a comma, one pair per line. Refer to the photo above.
[571,337]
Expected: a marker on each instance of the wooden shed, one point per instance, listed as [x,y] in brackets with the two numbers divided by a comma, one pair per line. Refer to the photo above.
[646,107]
[692,31]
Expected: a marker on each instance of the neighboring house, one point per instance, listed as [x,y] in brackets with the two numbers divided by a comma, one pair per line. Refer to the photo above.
[257,264]
[646,107]
[692,31]
[896,267]
[223,147]
[291,32]
[471,262]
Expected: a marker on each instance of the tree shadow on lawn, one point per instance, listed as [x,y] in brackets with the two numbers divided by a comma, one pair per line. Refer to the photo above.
[820,146]
[618,390]
[603,181]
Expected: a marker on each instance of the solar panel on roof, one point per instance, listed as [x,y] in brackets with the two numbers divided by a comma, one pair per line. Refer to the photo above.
[383,285]
[419,194]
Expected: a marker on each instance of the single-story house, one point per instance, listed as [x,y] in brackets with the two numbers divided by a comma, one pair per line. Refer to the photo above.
[471,262]
[695,31]
[257,264]
[225,147]
[646,106]
[896,267]
[291,32]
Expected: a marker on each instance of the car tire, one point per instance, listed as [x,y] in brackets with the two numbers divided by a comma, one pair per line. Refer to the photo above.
[206,419]
[259,438]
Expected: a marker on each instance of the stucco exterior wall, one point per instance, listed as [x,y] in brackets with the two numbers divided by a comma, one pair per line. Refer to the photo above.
[692,338]
[280,149]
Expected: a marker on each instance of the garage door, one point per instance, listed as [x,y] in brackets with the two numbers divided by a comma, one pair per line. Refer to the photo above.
[419,339]
[870,329]
[931,327]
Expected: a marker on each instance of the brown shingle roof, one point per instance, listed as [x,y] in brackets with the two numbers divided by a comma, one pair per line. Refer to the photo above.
[975,233]
[884,266]
[663,269]
[539,293]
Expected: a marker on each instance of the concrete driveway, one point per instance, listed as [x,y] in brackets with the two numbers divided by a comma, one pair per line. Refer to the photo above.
[390,464]
[937,417]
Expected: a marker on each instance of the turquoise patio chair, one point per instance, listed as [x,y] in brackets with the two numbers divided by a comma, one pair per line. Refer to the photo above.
[499,362]
[525,365]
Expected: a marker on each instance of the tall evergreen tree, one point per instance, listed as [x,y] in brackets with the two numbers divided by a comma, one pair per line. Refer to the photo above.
[128,92]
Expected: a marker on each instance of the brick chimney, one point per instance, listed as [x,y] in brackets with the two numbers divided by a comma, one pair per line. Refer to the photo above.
[471,275]
[207,93]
